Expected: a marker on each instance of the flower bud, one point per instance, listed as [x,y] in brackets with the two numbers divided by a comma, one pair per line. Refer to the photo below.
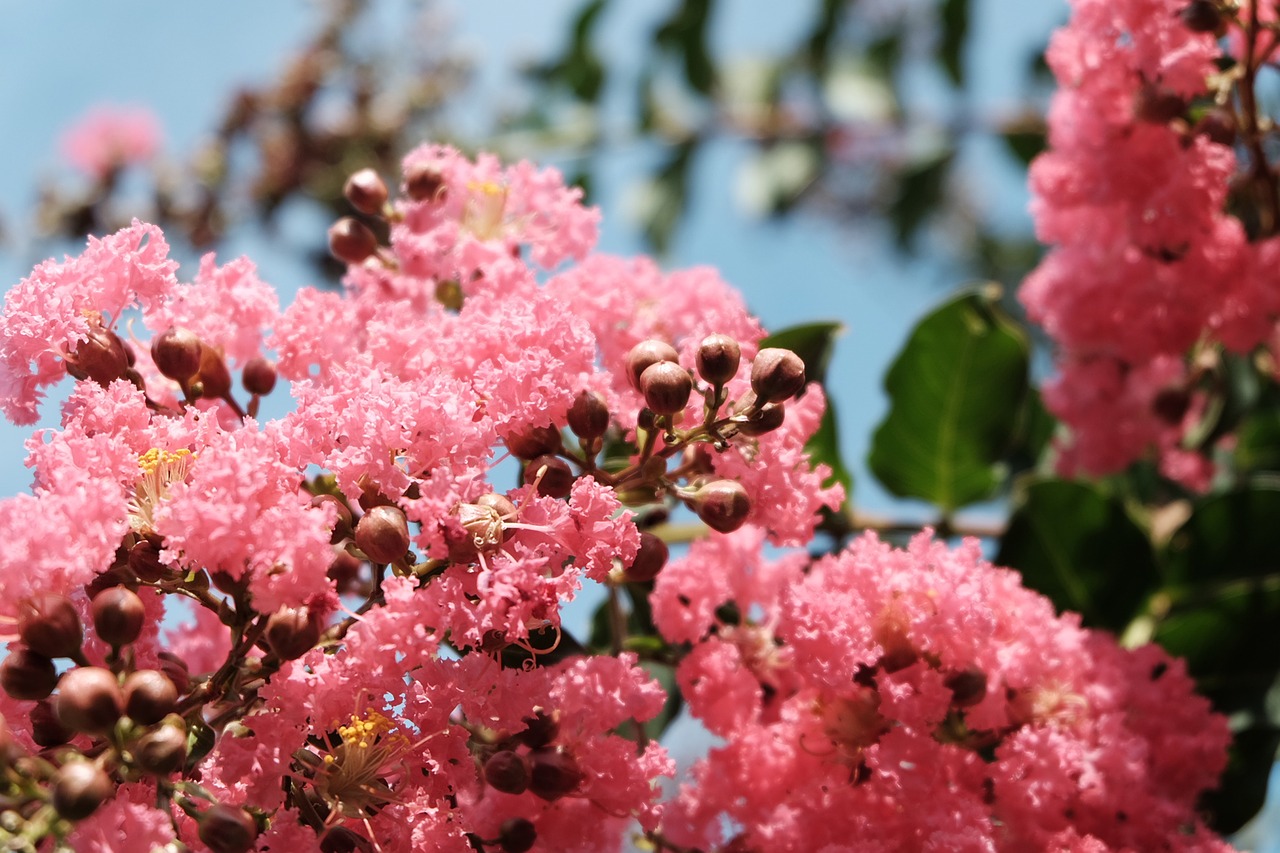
[25,674]
[79,788]
[383,534]
[646,354]
[1201,16]
[118,615]
[533,441]
[1219,125]
[649,560]
[540,730]
[351,241]
[176,352]
[968,687]
[1157,104]
[228,829]
[554,775]
[175,669]
[46,730]
[163,750]
[339,839]
[48,624]
[552,474]
[517,835]
[666,387]
[214,378]
[763,420]
[366,191]
[722,505]
[507,771]
[101,357]
[718,358]
[424,183]
[149,696]
[144,561]
[776,375]
[89,700]
[589,415]
[259,376]
[344,570]
[293,631]
[501,504]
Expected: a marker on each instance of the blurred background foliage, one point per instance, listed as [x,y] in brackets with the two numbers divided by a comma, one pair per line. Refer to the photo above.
[869,120]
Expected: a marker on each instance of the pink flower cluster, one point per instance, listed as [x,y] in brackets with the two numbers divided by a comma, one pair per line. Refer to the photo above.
[373,662]
[108,137]
[1146,264]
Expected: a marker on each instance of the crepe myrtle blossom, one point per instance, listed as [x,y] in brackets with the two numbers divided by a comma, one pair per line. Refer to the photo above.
[371,654]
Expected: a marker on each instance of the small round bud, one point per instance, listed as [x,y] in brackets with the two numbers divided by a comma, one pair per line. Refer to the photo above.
[176,352]
[968,687]
[344,570]
[540,730]
[1157,105]
[163,750]
[118,615]
[1201,16]
[25,674]
[339,839]
[552,474]
[46,730]
[149,696]
[589,415]
[342,526]
[214,378]
[366,191]
[554,775]
[424,183]
[1171,404]
[776,375]
[533,441]
[259,376]
[79,788]
[507,771]
[48,624]
[649,560]
[175,669]
[722,505]
[101,357]
[89,699]
[1219,125]
[645,354]
[228,829]
[517,835]
[501,504]
[293,631]
[718,358]
[763,420]
[666,387]
[144,561]
[383,534]
[351,241]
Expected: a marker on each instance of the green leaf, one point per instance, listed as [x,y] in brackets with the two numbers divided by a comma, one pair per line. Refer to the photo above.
[955,393]
[1025,144]
[954,19]
[918,194]
[1243,788]
[1079,547]
[1258,442]
[670,188]
[664,674]
[1228,536]
[685,34]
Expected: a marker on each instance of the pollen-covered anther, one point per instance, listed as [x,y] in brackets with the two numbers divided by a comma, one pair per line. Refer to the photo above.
[160,469]
[354,777]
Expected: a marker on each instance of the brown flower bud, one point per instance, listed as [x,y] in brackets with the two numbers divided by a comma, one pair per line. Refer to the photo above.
[968,687]
[763,420]
[501,504]
[1219,125]
[118,615]
[214,378]
[649,560]
[424,183]
[293,631]
[351,241]
[722,505]
[589,415]
[645,354]
[48,624]
[259,376]
[507,771]
[1157,105]
[718,358]
[175,669]
[533,441]
[383,534]
[176,352]
[339,839]
[79,788]
[25,674]
[89,699]
[1202,16]
[554,775]
[144,561]
[776,375]
[162,750]
[366,191]
[101,357]
[228,829]
[666,387]
[149,696]
[46,730]
[552,474]
[517,835]
[344,570]
[540,730]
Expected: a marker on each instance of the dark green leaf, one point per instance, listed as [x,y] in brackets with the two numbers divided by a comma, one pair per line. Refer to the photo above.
[1258,443]
[1228,536]
[954,19]
[1079,547]
[818,54]
[685,35]
[1035,430]
[670,188]
[1026,144]
[885,53]
[665,675]
[918,194]
[1243,788]
[955,392]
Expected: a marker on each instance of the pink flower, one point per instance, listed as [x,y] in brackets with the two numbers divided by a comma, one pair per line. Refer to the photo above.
[109,137]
